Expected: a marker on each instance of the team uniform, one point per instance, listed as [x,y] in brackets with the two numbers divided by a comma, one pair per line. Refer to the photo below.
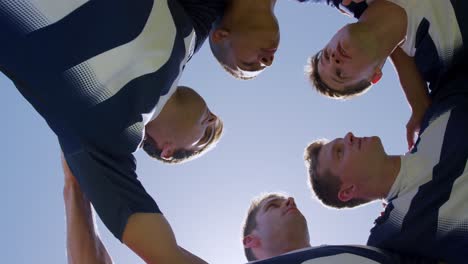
[435,36]
[349,254]
[98,72]
[427,211]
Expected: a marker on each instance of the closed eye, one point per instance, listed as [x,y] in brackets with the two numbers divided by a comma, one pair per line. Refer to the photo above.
[272,206]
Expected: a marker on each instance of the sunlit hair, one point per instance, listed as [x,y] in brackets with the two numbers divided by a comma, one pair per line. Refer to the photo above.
[219,51]
[250,222]
[326,185]
[183,155]
[311,70]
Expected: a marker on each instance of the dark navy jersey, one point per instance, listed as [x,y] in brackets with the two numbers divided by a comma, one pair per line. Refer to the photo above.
[353,9]
[435,35]
[98,72]
[427,214]
[349,254]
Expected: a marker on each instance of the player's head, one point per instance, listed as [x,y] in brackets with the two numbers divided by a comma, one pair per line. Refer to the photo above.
[342,171]
[245,39]
[273,226]
[348,65]
[185,128]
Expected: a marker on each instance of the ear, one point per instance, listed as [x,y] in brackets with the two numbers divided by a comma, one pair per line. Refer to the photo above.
[251,241]
[167,151]
[347,193]
[219,35]
[376,76]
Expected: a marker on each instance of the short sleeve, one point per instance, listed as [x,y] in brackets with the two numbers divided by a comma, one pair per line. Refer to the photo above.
[111,184]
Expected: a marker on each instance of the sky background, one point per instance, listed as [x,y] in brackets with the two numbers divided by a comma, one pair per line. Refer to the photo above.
[268,122]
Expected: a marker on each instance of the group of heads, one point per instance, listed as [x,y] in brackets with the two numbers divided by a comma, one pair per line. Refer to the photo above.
[341,172]
[338,170]
[244,45]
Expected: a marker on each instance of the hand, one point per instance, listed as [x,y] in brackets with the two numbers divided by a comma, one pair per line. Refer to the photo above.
[347,2]
[413,126]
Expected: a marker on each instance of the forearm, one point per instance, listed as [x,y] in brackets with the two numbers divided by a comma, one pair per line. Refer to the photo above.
[151,237]
[83,243]
[192,259]
[411,81]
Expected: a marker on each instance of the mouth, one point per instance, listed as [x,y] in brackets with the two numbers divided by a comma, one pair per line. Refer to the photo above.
[292,210]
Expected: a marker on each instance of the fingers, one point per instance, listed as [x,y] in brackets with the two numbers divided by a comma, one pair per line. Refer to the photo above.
[346,2]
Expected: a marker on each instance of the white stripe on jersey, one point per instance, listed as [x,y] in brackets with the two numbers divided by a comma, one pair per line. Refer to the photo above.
[444,29]
[36,14]
[453,214]
[416,169]
[341,258]
[116,67]
[189,49]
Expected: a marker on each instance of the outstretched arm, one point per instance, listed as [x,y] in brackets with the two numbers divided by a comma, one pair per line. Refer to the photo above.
[83,242]
[148,235]
[415,89]
[151,237]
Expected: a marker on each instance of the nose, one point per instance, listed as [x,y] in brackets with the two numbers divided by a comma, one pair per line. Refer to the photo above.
[267,59]
[349,138]
[290,202]
[334,58]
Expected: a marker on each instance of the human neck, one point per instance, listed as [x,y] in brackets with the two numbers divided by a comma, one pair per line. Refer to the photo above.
[386,24]
[283,248]
[381,186]
[162,124]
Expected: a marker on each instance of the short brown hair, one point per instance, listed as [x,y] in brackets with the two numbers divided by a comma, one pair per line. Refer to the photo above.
[325,186]
[250,222]
[183,155]
[314,77]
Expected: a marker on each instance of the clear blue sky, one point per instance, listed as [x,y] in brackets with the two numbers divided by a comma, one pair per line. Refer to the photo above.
[268,122]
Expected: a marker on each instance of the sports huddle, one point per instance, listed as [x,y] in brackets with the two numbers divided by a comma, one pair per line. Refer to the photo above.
[107,86]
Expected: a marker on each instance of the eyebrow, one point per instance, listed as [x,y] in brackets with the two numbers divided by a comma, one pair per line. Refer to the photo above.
[266,205]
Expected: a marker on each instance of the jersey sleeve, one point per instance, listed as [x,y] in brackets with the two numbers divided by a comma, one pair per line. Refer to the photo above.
[353,9]
[110,183]
[430,219]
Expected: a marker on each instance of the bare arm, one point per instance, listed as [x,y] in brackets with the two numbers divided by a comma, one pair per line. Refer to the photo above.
[149,235]
[415,90]
[83,243]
